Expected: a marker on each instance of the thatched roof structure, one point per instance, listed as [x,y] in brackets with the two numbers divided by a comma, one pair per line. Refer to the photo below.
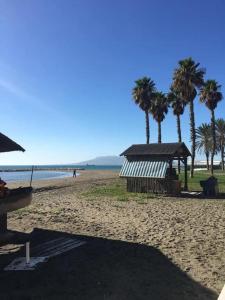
[7,145]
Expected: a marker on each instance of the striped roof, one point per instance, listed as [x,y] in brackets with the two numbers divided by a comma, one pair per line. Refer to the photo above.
[151,168]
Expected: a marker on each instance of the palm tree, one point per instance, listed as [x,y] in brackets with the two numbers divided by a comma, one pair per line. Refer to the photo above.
[159,109]
[204,140]
[220,133]
[188,77]
[210,95]
[178,105]
[143,93]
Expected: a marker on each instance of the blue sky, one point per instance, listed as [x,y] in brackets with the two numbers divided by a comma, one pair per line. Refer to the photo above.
[67,69]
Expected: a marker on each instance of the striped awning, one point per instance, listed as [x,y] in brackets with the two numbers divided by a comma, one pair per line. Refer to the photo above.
[152,168]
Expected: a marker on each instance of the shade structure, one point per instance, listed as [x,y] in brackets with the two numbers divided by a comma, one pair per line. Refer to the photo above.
[158,150]
[8,145]
[151,168]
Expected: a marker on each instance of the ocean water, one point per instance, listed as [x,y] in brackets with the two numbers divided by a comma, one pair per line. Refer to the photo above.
[15,173]
[37,175]
[58,167]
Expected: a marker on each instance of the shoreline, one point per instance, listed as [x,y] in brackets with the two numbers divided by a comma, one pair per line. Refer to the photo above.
[84,176]
[42,169]
[14,177]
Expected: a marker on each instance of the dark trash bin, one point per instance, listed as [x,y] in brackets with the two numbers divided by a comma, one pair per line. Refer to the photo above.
[210,186]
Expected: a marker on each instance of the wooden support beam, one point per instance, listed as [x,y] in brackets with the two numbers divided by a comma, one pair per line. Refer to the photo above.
[185,175]
[3,223]
[182,160]
[171,166]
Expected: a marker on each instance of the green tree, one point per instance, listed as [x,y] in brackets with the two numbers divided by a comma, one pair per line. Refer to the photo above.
[178,105]
[143,94]
[220,133]
[204,141]
[159,109]
[188,77]
[210,95]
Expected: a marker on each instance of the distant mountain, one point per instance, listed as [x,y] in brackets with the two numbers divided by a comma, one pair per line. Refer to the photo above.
[104,160]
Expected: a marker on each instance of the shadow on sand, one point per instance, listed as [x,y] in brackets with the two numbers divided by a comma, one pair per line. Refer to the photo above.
[198,195]
[100,269]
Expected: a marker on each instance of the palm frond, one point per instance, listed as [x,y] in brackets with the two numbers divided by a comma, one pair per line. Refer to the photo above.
[204,141]
[187,78]
[210,94]
[159,107]
[143,92]
[220,132]
[176,101]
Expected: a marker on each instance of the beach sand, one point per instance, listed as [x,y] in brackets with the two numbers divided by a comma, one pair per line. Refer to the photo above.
[160,248]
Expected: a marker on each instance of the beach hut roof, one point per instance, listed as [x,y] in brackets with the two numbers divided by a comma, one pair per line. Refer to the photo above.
[144,169]
[7,145]
[158,150]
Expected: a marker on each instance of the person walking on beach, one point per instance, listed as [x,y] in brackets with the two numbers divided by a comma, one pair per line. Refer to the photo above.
[75,173]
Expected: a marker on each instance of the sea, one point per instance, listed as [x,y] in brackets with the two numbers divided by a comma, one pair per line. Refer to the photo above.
[13,173]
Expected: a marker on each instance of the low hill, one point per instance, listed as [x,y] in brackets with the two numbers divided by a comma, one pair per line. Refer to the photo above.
[104,161]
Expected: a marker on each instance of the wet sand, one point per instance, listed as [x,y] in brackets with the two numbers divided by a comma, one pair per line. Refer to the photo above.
[188,233]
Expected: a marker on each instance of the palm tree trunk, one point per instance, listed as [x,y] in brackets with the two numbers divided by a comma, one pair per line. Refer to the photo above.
[214,139]
[179,138]
[222,156]
[192,129]
[159,133]
[147,126]
[207,160]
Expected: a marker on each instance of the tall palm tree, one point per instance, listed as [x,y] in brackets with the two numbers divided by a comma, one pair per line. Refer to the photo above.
[220,133]
[204,140]
[188,77]
[210,95]
[143,94]
[178,105]
[159,109]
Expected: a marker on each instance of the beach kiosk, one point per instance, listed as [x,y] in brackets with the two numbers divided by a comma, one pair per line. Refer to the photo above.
[149,168]
[11,199]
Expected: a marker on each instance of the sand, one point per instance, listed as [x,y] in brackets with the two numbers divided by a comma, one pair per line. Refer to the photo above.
[162,248]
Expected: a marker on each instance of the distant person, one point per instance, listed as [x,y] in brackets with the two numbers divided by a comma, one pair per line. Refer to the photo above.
[75,173]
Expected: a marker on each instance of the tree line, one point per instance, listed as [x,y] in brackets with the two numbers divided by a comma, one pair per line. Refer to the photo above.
[188,82]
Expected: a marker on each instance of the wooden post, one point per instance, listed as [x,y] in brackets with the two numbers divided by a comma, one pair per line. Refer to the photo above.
[3,223]
[171,167]
[27,252]
[31,177]
[185,175]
